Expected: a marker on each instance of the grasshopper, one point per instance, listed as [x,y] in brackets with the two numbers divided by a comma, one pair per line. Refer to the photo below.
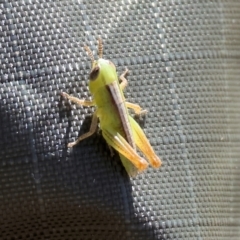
[119,129]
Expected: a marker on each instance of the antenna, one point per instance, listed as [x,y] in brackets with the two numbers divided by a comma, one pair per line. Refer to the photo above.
[100,48]
[89,52]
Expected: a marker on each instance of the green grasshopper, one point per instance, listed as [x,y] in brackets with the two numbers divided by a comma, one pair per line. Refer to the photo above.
[119,129]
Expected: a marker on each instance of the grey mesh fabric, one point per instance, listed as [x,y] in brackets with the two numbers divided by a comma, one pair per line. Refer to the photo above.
[184,62]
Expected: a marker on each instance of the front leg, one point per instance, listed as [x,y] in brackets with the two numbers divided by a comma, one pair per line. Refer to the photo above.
[82,102]
[124,81]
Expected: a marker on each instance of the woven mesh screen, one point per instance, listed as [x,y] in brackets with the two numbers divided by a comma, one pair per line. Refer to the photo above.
[183,57]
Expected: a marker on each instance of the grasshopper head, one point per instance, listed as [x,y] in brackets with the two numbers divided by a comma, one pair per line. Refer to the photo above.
[103,71]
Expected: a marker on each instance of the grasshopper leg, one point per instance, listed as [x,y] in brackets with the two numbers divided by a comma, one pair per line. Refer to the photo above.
[118,142]
[144,145]
[91,131]
[124,81]
[82,102]
[136,108]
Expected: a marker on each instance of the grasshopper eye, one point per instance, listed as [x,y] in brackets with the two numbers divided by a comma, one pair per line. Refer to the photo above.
[94,73]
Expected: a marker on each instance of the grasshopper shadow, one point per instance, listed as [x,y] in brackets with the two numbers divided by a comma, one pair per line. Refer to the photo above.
[101,185]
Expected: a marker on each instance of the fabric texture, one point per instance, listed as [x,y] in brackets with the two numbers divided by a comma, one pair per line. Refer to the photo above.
[183,57]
